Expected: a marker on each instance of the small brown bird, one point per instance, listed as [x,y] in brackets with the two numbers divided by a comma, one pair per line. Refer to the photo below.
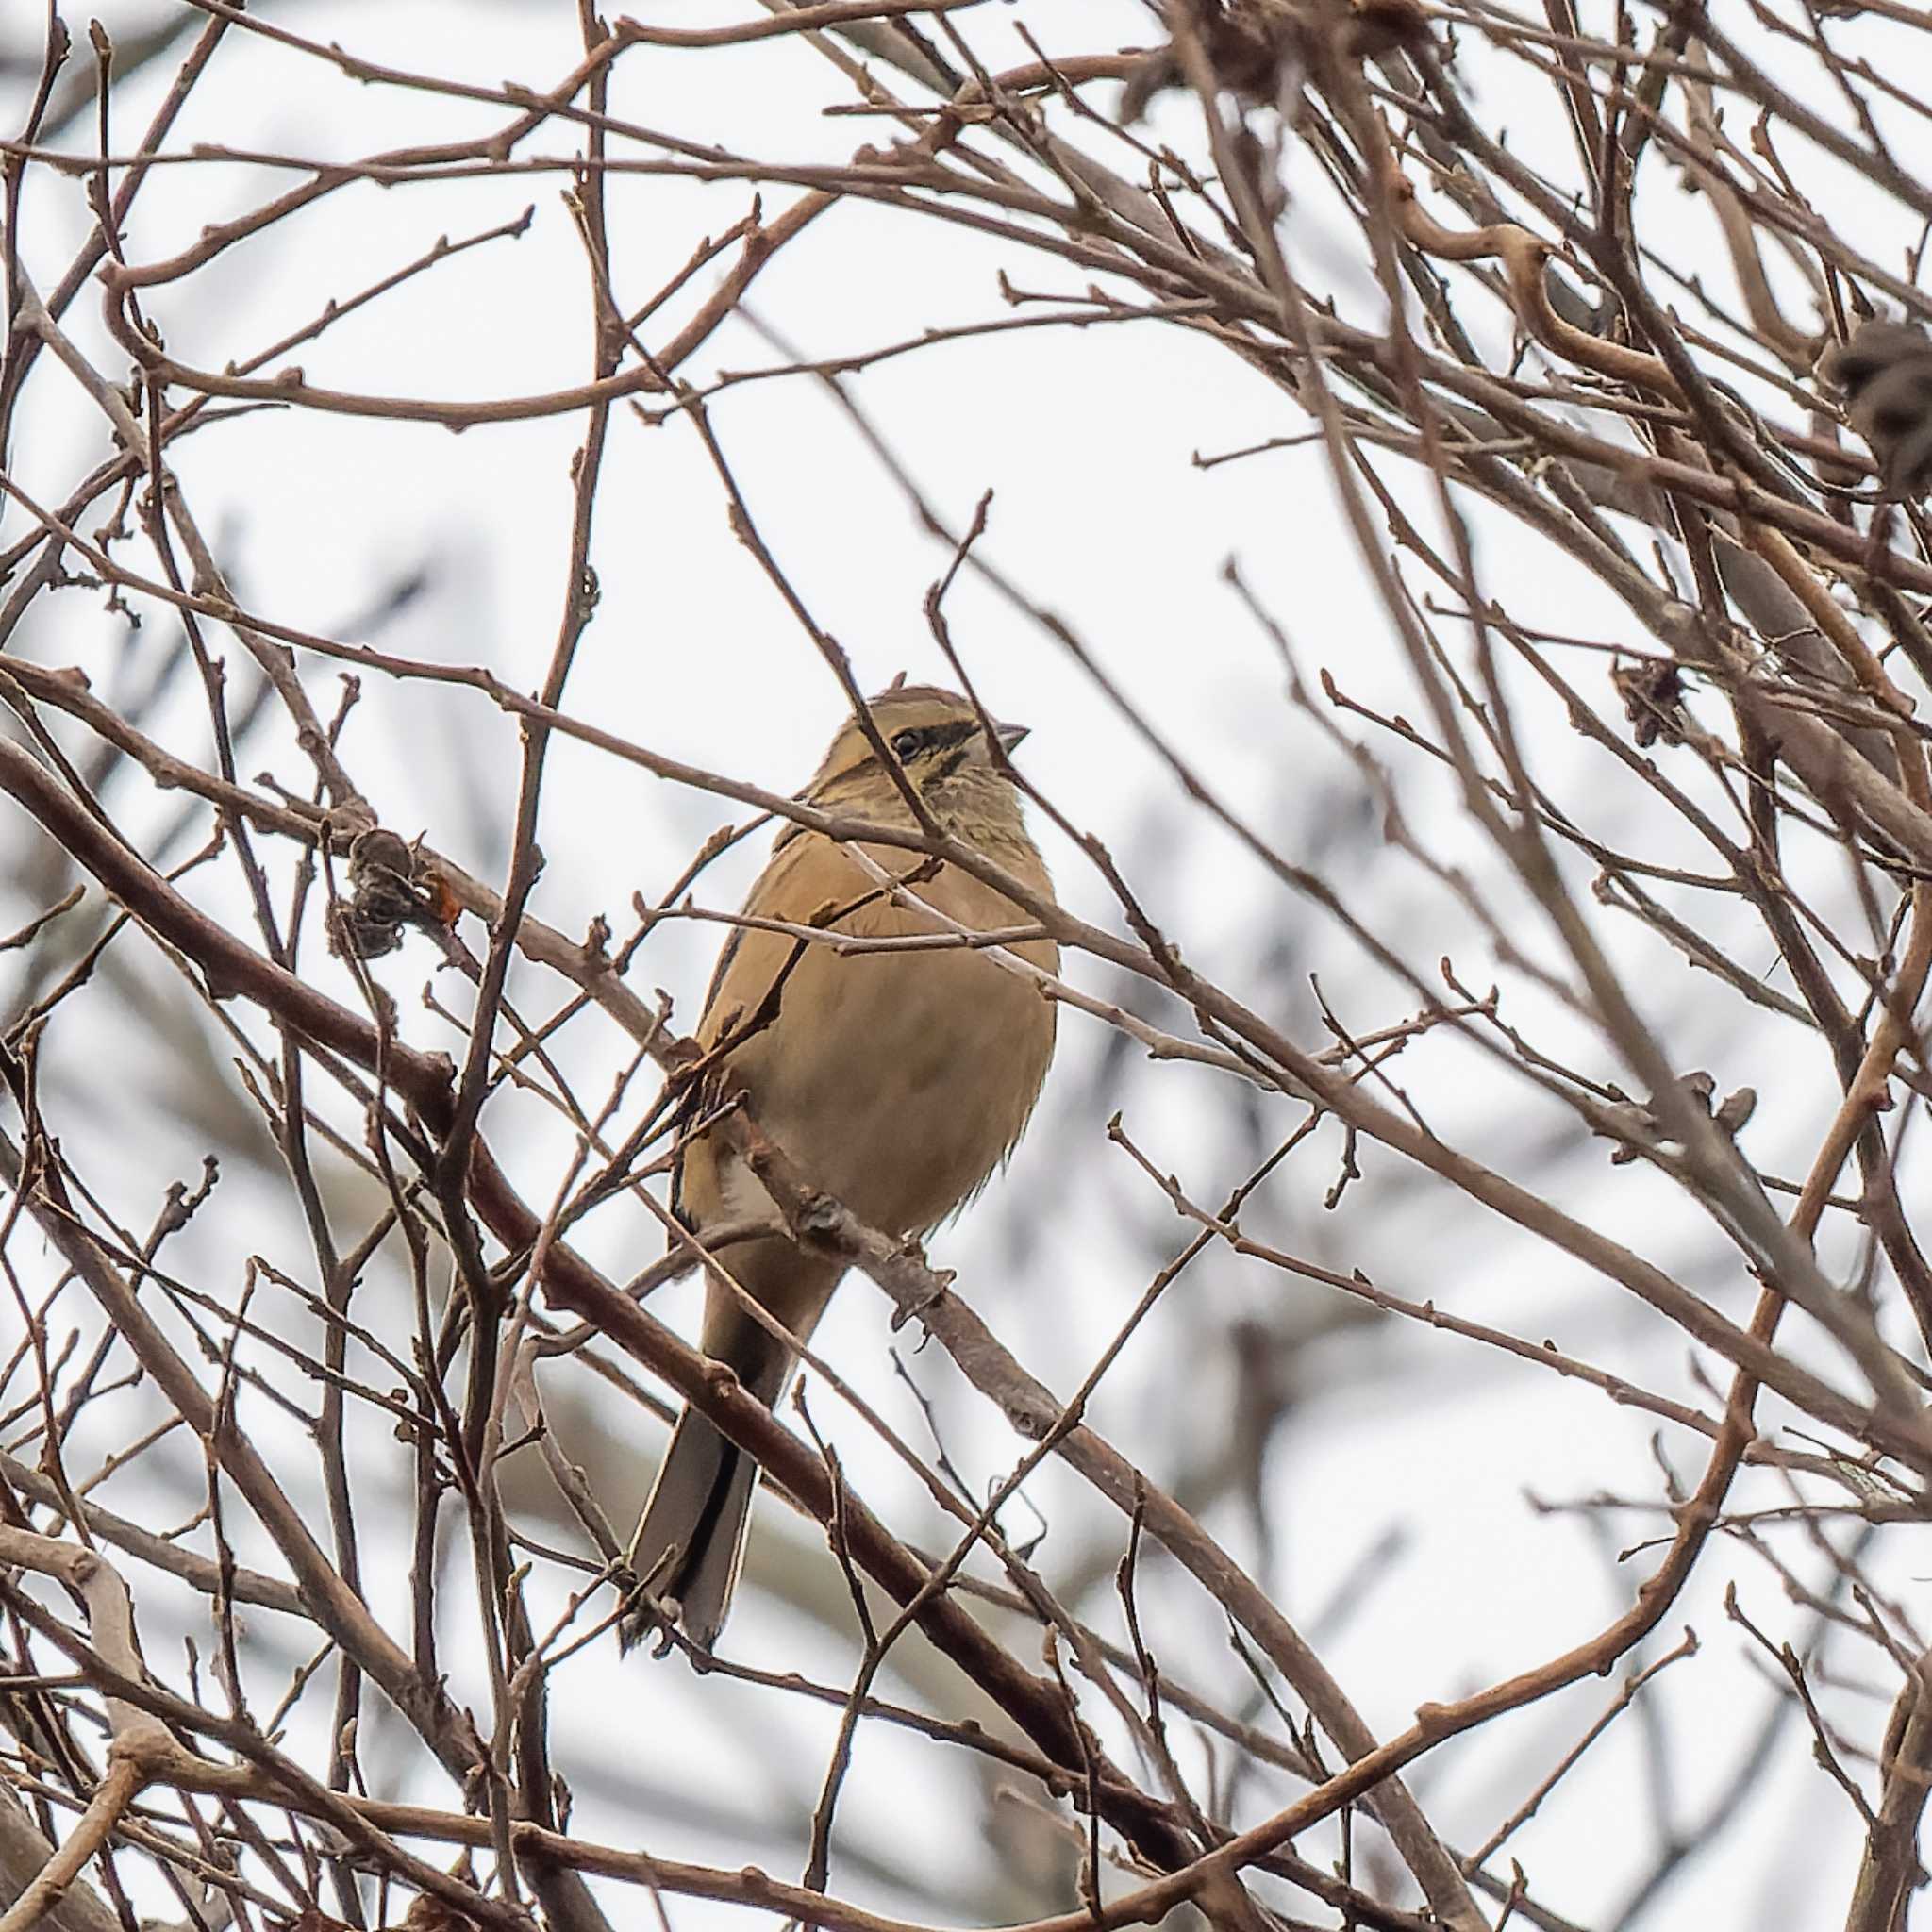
[896,1080]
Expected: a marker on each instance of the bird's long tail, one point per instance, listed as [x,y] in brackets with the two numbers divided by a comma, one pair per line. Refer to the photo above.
[691,1540]
[689,1543]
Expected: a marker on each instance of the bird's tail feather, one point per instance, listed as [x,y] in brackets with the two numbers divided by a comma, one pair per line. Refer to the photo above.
[689,1543]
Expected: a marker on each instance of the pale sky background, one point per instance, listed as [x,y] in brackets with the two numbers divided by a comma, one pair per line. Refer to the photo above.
[1087,440]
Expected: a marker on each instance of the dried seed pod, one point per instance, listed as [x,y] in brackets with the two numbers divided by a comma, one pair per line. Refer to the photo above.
[1884,374]
[1653,696]
[391,886]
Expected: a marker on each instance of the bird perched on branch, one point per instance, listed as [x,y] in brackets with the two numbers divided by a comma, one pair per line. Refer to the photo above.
[896,1080]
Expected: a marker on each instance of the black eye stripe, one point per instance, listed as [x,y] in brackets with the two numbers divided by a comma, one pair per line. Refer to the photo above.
[920,738]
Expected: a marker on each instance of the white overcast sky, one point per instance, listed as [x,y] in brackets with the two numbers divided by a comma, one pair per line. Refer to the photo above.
[1086,440]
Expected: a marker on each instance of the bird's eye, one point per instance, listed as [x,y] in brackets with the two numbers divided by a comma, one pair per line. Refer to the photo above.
[907,745]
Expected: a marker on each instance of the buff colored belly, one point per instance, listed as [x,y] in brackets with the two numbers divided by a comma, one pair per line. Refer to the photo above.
[948,1042]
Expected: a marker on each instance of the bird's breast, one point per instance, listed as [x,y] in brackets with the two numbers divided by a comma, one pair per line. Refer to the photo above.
[897,1080]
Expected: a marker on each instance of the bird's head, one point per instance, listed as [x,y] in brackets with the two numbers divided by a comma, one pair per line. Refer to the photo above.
[944,749]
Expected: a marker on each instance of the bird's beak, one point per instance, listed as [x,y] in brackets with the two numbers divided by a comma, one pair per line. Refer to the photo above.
[1010,736]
